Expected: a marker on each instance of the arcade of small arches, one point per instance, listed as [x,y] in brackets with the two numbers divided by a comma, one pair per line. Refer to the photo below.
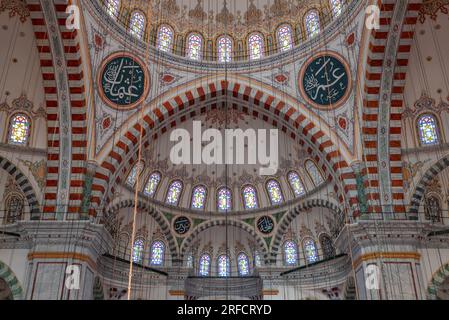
[363,158]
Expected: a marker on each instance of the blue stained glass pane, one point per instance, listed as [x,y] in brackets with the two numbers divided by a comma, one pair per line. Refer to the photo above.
[199,197]
[165,39]
[224,269]
[113,7]
[224,199]
[290,253]
[250,197]
[138,251]
[243,264]
[285,38]
[157,253]
[174,193]
[255,44]
[310,251]
[224,49]
[296,184]
[313,23]
[337,7]
[19,129]
[153,182]
[204,265]
[274,192]
[428,130]
[134,174]
[257,260]
[137,24]
[194,46]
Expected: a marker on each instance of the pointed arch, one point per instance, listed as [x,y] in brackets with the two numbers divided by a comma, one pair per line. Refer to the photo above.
[11,280]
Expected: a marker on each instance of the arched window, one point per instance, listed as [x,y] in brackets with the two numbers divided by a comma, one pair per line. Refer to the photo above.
[113,7]
[14,206]
[296,184]
[165,38]
[314,173]
[255,46]
[428,130]
[310,250]
[290,253]
[157,253]
[243,264]
[199,195]
[336,7]
[19,129]
[138,251]
[432,209]
[137,24]
[250,197]
[274,192]
[224,266]
[190,261]
[312,21]
[327,246]
[194,46]
[224,199]
[224,47]
[257,260]
[152,184]
[174,193]
[134,174]
[204,269]
[285,38]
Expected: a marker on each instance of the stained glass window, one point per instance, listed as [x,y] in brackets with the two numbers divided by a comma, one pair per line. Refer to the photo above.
[138,251]
[257,259]
[314,173]
[336,7]
[194,46]
[14,206]
[113,7]
[137,24]
[243,264]
[190,261]
[255,47]
[134,174]
[327,246]
[224,47]
[224,266]
[290,253]
[274,192]
[285,38]
[250,197]
[428,130]
[165,38]
[204,270]
[157,253]
[174,193]
[199,197]
[296,184]
[224,199]
[312,23]
[152,184]
[19,129]
[310,251]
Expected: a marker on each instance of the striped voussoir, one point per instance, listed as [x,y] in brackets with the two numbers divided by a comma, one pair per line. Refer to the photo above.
[387,62]
[187,243]
[124,154]
[421,187]
[24,185]
[11,280]
[437,281]
[55,70]
[292,214]
[162,222]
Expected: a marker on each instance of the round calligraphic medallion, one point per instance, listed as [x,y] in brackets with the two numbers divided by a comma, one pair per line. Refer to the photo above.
[123,81]
[181,225]
[325,81]
[265,224]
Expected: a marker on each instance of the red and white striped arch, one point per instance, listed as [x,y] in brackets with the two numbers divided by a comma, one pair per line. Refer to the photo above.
[77,102]
[254,101]
[383,85]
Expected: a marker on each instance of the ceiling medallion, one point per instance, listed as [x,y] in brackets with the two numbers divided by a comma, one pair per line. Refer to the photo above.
[265,225]
[325,80]
[181,225]
[123,81]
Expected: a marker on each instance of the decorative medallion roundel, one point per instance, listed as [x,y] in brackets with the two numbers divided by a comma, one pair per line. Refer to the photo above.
[123,81]
[265,224]
[325,81]
[181,225]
